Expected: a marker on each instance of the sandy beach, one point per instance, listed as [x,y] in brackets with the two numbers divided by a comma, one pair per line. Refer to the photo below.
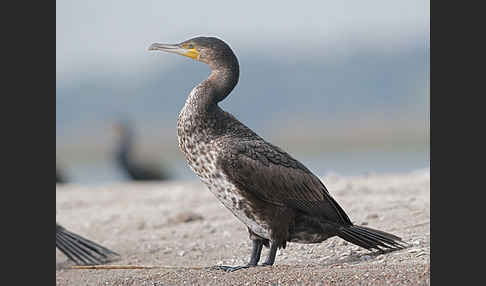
[181,224]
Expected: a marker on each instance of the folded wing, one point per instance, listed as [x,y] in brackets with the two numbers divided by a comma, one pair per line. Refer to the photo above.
[273,176]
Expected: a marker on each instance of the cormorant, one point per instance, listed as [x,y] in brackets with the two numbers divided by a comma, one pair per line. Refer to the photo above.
[81,250]
[60,177]
[273,194]
[124,156]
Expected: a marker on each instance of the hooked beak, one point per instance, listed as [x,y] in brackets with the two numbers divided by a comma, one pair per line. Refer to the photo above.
[175,49]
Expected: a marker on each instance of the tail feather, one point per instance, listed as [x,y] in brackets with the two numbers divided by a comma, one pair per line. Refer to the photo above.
[382,239]
[381,233]
[370,238]
[356,239]
[81,250]
[74,251]
[70,253]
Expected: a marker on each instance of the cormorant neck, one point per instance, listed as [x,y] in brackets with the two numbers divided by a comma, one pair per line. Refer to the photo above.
[223,78]
[125,146]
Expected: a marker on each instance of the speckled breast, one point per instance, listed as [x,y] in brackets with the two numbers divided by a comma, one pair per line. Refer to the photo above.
[202,157]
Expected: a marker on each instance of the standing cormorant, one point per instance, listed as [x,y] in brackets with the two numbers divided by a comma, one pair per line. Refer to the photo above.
[135,169]
[81,250]
[273,194]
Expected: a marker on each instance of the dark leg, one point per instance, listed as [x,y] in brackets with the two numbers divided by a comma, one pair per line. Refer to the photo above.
[271,255]
[256,252]
[255,257]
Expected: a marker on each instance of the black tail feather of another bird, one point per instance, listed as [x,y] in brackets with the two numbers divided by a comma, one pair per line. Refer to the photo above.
[81,250]
[370,238]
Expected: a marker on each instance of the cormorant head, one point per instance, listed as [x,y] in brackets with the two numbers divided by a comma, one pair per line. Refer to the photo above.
[209,50]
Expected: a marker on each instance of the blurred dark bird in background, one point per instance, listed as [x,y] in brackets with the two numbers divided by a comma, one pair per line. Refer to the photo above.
[136,170]
[81,250]
[273,194]
[60,176]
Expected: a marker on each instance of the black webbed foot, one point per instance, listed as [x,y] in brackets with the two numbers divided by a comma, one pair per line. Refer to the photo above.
[230,268]
[255,257]
[266,264]
[234,268]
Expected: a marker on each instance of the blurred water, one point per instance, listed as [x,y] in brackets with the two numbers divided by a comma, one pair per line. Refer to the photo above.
[344,163]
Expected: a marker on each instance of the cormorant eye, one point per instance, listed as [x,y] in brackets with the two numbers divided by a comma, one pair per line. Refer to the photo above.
[191,46]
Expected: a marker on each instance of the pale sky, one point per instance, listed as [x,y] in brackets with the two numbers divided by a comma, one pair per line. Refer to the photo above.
[114,35]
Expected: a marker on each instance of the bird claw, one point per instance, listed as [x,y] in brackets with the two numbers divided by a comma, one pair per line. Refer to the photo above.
[234,268]
[229,268]
[266,264]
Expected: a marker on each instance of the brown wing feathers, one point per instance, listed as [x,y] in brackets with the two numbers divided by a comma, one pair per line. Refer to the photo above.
[274,177]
